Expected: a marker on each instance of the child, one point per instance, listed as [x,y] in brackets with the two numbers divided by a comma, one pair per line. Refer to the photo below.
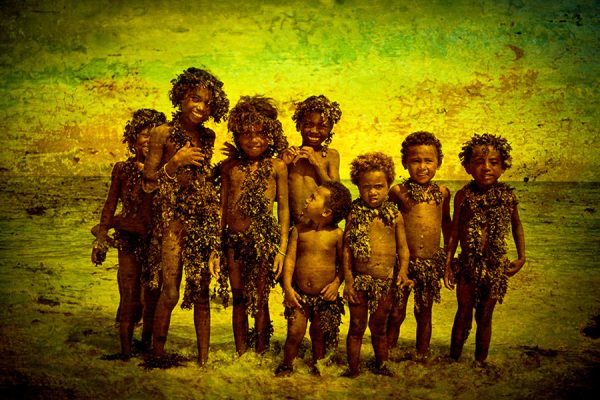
[312,274]
[131,230]
[484,212]
[255,243]
[179,168]
[314,162]
[425,207]
[375,258]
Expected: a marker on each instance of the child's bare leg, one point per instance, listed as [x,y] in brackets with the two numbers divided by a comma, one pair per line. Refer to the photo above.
[359,316]
[465,295]
[239,315]
[377,326]
[395,320]
[423,318]
[483,317]
[296,328]
[317,338]
[130,305]
[150,299]
[171,280]
[262,319]
[202,323]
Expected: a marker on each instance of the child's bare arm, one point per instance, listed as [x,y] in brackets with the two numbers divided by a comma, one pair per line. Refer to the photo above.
[283,213]
[292,299]
[453,240]
[446,218]
[333,171]
[108,212]
[347,261]
[519,238]
[153,160]
[403,253]
[331,290]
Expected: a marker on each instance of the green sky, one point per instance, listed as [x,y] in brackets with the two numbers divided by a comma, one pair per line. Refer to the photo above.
[73,72]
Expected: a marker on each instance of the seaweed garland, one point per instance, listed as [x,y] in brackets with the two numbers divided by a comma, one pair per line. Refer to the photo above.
[486,263]
[427,274]
[362,216]
[256,247]
[423,193]
[376,289]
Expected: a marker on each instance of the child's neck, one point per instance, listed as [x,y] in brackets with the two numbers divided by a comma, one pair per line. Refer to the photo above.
[318,224]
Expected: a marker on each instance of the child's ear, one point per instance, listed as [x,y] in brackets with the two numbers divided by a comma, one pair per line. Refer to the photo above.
[327,212]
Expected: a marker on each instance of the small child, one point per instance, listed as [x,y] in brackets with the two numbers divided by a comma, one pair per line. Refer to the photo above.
[187,206]
[485,210]
[312,274]
[314,162]
[425,207]
[255,243]
[131,230]
[375,258]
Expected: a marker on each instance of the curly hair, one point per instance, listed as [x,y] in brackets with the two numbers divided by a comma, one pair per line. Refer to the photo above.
[421,138]
[330,110]
[142,119]
[253,110]
[192,78]
[340,200]
[375,161]
[485,140]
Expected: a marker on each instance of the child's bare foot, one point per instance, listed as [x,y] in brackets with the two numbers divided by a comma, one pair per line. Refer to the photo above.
[350,373]
[116,356]
[315,371]
[284,370]
[383,370]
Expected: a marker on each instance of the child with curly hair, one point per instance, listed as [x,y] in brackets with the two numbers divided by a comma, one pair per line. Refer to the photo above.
[425,207]
[188,237]
[312,274]
[255,242]
[485,211]
[375,258]
[132,226]
[313,162]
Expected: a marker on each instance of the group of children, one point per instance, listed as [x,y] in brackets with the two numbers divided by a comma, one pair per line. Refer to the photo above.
[182,215]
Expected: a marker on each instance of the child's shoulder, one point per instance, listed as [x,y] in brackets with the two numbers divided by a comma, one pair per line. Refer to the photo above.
[278,164]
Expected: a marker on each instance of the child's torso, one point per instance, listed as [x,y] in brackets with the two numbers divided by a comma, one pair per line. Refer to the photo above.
[316,255]
[381,264]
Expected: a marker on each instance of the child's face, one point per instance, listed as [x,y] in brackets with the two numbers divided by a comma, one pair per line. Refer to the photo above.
[196,105]
[141,143]
[316,203]
[314,129]
[485,166]
[422,163]
[373,188]
[252,142]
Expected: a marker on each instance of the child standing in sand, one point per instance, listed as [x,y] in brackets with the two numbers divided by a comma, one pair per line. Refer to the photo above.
[187,204]
[131,230]
[255,241]
[312,274]
[485,210]
[314,162]
[425,207]
[375,258]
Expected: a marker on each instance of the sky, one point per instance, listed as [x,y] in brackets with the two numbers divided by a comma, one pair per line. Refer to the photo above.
[72,74]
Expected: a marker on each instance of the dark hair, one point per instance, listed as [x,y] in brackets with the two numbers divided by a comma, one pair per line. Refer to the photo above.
[252,110]
[485,140]
[340,200]
[329,110]
[375,161]
[192,78]
[421,138]
[142,119]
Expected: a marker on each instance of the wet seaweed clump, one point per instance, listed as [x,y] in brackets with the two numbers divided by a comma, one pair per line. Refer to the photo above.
[592,329]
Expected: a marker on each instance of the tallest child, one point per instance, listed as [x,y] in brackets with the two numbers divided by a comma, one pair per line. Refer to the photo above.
[178,168]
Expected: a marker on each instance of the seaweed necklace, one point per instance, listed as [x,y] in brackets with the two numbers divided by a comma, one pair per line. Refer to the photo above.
[252,201]
[205,143]
[491,210]
[133,174]
[423,193]
[362,217]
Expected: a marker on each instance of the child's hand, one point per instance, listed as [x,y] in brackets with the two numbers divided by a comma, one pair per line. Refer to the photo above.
[290,155]
[330,291]
[350,294]
[449,278]
[188,155]
[99,249]
[278,265]
[515,266]
[229,150]
[214,264]
[403,281]
[292,298]
[309,154]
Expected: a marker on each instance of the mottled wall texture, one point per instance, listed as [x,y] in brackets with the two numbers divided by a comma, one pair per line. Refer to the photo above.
[72,72]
